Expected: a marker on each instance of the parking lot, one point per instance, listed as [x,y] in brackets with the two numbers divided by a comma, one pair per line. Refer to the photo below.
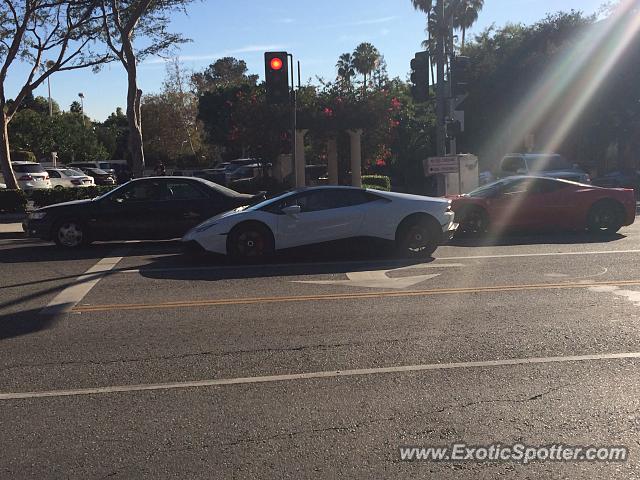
[130,360]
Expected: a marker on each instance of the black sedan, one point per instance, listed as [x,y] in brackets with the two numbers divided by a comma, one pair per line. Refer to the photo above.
[152,208]
[100,176]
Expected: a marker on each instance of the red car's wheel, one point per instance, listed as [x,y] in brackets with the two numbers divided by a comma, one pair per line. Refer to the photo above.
[474,220]
[606,216]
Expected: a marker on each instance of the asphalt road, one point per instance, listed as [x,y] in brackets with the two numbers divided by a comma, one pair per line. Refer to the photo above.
[132,361]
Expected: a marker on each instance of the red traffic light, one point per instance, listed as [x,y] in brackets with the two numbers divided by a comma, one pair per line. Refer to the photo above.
[276,64]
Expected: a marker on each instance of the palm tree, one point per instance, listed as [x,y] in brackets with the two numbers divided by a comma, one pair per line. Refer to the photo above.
[346,68]
[466,15]
[426,6]
[365,60]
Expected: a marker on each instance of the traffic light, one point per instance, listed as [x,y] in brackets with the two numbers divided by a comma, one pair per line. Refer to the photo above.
[276,66]
[460,67]
[420,77]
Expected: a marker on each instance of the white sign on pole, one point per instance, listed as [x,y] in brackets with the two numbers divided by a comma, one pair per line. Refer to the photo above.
[435,165]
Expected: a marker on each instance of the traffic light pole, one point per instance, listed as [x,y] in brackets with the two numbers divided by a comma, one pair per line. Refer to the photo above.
[440,87]
[294,124]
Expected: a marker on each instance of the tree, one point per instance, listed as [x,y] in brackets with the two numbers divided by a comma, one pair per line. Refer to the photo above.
[63,29]
[466,15]
[123,21]
[346,69]
[225,72]
[426,6]
[113,133]
[75,107]
[365,59]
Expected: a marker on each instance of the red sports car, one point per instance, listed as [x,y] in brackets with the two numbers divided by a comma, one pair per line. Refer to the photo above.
[536,203]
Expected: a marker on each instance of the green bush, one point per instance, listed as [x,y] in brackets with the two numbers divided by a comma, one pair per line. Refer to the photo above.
[12,201]
[23,156]
[378,182]
[43,198]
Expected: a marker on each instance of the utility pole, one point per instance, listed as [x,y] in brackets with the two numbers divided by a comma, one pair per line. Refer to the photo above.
[81,95]
[452,99]
[440,87]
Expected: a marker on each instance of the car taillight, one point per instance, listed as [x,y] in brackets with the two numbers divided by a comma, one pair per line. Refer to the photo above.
[46,177]
[25,178]
[76,182]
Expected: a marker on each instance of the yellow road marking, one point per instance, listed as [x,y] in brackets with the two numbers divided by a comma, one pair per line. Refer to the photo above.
[347,296]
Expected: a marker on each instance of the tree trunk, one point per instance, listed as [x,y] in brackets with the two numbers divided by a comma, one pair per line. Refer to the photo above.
[134,117]
[5,155]
[464,31]
[430,50]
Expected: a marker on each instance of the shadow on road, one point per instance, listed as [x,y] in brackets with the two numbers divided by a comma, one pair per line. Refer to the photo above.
[527,238]
[48,252]
[24,323]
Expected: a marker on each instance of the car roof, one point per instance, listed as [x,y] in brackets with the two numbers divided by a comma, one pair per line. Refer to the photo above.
[22,162]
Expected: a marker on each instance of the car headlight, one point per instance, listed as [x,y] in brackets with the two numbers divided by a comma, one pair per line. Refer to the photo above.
[37,215]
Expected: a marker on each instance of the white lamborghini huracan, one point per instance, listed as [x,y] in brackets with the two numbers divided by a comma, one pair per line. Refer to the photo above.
[315,215]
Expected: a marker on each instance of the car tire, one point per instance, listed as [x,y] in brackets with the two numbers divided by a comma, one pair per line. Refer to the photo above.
[58,187]
[418,238]
[250,241]
[606,216]
[474,220]
[70,234]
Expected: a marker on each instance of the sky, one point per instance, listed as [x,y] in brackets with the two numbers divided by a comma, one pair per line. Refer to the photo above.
[316,33]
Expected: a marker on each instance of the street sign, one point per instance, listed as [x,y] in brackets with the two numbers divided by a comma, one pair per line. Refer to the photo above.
[435,165]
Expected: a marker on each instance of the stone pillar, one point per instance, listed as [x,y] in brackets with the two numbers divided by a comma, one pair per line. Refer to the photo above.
[300,160]
[356,157]
[332,160]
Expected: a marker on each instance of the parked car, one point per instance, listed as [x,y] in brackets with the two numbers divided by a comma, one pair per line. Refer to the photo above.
[142,209]
[246,171]
[31,176]
[538,203]
[101,165]
[622,178]
[100,177]
[542,165]
[324,214]
[68,178]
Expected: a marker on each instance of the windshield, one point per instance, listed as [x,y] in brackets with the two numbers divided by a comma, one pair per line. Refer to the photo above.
[489,189]
[543,163]
[28,168]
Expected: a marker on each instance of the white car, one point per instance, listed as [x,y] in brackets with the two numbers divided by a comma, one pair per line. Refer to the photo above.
[69,178]
[31,176]
[314,215]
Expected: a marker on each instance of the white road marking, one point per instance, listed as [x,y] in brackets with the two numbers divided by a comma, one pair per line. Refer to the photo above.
[312,375]
[550,254]
[380,279]
[72,295]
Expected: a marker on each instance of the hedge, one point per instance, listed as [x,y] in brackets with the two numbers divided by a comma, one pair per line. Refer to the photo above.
[12,201]
[378,182]
[22,156]
[42,198]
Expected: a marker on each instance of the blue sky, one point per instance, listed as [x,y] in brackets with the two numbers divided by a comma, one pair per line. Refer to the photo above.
[315,32]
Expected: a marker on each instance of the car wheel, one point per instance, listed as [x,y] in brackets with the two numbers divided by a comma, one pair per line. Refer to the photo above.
[605,217]
[58,187]
[418,238]
[70,234]
[474,220]
[250,241]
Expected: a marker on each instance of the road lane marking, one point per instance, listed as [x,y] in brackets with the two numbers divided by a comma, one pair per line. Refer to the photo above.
[67,299]
[313,375]
[348,296]
[549,254]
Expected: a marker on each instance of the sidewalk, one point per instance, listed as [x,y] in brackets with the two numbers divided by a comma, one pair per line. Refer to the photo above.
[11,230]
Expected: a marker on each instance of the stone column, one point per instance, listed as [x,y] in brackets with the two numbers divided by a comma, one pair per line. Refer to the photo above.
[356,157]
[332,160]
[300,160]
